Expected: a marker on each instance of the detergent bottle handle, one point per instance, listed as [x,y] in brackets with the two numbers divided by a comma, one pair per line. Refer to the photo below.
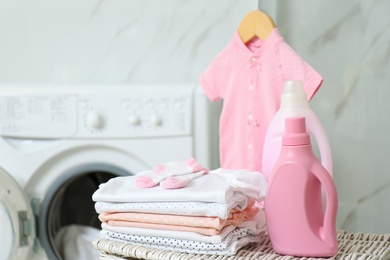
[318,131]
[328,231]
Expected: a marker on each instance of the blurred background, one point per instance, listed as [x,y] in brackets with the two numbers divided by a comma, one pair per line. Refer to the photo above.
[173,41]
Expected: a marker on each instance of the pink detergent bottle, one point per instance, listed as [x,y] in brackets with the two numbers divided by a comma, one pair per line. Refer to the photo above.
[296,222]
[294,104]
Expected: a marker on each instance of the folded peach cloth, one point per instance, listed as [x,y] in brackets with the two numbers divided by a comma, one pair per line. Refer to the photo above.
[235,218]
[199,230]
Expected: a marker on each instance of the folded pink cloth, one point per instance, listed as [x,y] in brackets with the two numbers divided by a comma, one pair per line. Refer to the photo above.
[235,218]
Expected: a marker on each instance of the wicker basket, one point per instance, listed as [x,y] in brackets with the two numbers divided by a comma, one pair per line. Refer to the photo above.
[351,246]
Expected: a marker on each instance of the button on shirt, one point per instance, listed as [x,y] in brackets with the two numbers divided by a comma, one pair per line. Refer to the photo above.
[250,78]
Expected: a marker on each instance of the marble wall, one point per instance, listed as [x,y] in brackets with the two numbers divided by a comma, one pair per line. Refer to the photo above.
[116,41]
[172,41]
[348,42]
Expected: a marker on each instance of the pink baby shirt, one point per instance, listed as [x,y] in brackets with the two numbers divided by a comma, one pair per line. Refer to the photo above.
[250,78]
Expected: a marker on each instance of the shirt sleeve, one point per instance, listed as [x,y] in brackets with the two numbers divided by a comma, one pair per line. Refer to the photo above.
[295,67]
[211,80]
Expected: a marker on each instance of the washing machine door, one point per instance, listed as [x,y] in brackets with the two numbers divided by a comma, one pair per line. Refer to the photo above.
[16,220]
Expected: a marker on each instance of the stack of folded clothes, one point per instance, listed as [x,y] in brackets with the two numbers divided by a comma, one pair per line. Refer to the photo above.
[184,209]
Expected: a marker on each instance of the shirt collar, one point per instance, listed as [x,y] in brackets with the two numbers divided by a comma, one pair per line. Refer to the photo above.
[264,46]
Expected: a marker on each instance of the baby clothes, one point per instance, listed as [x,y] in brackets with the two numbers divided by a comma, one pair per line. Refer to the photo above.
[250,81]
[130,214]
[178,167]
[171,175]
[238,201]
[186,235]
[235,218]
[254,226]
[216,186]
[233,242]
[227,243]
[177,182]
[200,230]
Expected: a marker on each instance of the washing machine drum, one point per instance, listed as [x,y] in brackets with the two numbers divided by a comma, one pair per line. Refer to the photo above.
[67,213]
[17,220]
[67,208]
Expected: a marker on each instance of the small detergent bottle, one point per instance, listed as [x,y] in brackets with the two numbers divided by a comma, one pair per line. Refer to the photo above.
[296,222]
[294,104]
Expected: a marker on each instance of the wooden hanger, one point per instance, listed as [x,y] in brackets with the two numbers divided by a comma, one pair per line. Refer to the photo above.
[256,23]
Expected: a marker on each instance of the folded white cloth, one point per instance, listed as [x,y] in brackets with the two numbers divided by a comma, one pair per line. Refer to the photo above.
[254,227]
[74,242]
[216,186]
[221,210]
[232,243]
[170,234]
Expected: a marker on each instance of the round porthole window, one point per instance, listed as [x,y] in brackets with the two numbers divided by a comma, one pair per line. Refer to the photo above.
[68,213]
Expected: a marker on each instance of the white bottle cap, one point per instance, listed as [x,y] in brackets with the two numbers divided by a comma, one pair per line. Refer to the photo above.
[294,92]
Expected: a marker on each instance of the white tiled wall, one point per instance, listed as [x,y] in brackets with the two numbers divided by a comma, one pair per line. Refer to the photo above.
[172,41]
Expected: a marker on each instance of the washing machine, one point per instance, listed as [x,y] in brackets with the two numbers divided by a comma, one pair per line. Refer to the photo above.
[58,143]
